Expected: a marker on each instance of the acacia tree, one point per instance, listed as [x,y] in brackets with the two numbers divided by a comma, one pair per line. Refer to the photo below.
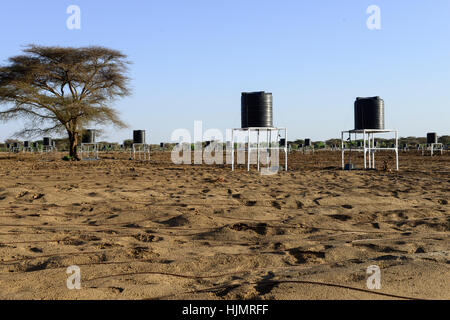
[63,89]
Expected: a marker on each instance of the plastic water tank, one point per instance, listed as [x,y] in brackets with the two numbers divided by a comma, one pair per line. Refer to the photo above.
[256,109]
[369,113]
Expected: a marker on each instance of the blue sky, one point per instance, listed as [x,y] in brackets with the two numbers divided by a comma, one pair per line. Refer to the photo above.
[192,59]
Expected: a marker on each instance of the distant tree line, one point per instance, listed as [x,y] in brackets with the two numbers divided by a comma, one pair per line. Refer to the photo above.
[410,141]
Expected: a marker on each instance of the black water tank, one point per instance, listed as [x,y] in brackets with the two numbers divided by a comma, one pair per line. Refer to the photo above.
[161,145]
[139,136]
[26,144]
[88,136]
[16,145]
[307,142]
[256,109]
[369,113]
[282,142]
[35,145]
[47,142]
[432,137]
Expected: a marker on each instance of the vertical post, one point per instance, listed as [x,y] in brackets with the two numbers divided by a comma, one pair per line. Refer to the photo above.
[373,151]
[371,145]
[232,150]
[248,149]
[342,150]
[365,151]
[257,149]
[285,149]
[268,148]
[396,148]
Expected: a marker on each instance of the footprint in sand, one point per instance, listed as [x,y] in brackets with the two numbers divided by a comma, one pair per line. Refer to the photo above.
[341,217]
[276,204]
[307,256]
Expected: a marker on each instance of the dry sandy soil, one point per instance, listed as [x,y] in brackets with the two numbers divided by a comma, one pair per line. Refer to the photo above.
[155,230]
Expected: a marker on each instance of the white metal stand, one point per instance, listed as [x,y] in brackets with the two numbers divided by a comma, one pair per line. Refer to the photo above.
[46,149]
[369,148]
[269,133]
[307,149]
[36,148]
[16,149]
[89,149]
[432,147]
[140,151]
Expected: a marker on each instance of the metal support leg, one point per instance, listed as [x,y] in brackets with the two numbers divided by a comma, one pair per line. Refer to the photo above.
[365,151]
[342,150]
[373,151]
[369,151]
[285,151]
[232,150]
[396,149]
[257,149]
[268,149]
[248,149]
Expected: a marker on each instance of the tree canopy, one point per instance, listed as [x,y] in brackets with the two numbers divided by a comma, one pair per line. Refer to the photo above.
[63,89]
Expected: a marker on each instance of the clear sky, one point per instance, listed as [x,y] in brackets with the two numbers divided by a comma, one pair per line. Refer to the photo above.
[192,59]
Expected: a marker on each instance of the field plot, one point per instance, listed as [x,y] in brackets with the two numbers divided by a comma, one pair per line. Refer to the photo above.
[141,230]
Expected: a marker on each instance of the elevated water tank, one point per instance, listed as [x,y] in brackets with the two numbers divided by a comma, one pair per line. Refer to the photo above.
[369,113]
[307,142]
[88,136]
[432,138]
[139,136]
[256,109]
[47,142]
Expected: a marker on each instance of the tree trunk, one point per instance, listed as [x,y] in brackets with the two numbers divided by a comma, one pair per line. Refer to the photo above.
[73,145]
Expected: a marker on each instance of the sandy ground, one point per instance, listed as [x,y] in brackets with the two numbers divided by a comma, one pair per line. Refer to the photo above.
[156,230]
